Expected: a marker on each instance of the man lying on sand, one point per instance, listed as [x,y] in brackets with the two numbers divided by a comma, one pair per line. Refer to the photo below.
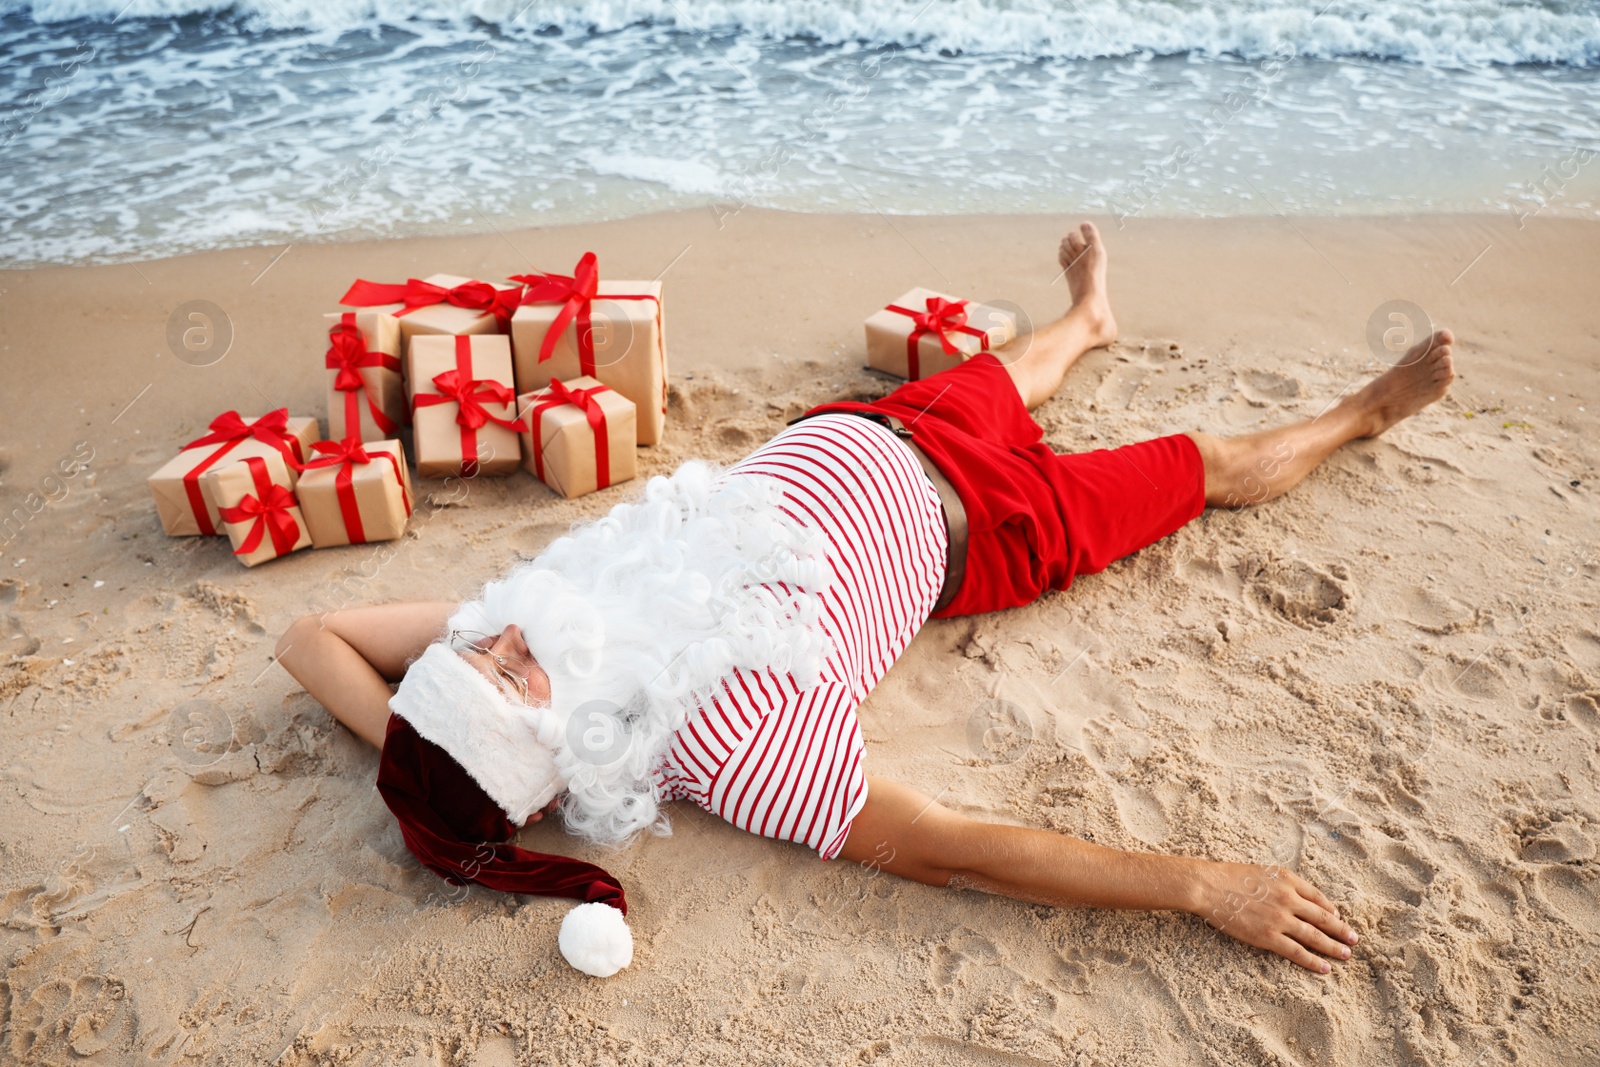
[712,641]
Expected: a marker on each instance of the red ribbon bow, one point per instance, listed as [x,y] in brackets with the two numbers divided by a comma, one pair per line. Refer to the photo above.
[269,507]
[227,430]
[942,318]
[416,293]
[584,399]
[576,295]
[347,354]
[459,387]
[347,455]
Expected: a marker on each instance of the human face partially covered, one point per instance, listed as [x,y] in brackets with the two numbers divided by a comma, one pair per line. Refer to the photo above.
[505,660]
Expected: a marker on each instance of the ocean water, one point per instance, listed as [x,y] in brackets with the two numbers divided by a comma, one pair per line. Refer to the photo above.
[142,128]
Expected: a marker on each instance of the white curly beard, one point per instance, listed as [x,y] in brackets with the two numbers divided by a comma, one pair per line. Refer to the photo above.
[632,614]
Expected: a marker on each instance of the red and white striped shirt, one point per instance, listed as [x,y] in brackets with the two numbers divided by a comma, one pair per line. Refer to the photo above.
[759,751]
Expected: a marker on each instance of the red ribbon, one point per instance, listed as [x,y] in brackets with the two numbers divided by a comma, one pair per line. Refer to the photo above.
[576,295]
[459,387]
[942,318]
[416,293]
[584,399]
[269,507]
[347,455]
[227,430]
[347,354]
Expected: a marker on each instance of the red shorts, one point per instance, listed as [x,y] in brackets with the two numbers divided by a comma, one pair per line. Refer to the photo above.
[1036,518]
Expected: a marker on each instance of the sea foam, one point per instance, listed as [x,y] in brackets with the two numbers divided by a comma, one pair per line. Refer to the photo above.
[1443,32]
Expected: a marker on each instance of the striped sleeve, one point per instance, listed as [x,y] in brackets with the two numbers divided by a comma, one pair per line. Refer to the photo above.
[797,776]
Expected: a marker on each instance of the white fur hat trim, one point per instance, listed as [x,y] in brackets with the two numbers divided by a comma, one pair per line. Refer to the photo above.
[595,939]
[450,703]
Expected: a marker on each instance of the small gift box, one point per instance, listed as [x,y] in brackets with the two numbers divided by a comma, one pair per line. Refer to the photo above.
[925,332]
[439,304]
[591,327]
[581,436]
[366,395]
[259,511]
[178,488]
[353,492]
[463,406]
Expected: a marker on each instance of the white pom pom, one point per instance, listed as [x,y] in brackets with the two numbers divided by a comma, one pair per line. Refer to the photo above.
[595,939]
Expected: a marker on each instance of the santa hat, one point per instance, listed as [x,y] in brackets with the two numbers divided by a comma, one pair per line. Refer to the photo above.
[462,769]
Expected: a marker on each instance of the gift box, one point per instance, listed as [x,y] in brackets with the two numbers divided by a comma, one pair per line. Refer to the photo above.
[925,332]
[354,492]
[586,326]
[259,511]
[462,409]
[178,487]
[580,436]
[439,304]
[366,394]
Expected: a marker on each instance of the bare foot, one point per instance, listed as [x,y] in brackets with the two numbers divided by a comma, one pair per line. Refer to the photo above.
[1083,260]
[1422,377]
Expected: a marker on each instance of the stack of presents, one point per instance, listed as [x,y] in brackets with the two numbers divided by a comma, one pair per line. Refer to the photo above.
[562,376]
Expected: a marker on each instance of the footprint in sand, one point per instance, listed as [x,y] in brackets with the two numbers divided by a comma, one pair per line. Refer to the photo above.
[1295,590]
[734,434]
[1265,388]
[64,1019]
[15,640]
[957,960]
[1082,966]
[1551,838]
[1584,709]
[1119,388]
[1401,872]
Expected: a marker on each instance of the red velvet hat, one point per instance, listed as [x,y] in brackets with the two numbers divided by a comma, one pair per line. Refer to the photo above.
[458,832]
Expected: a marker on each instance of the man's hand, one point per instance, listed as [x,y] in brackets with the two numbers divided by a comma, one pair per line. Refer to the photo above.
[1272,908]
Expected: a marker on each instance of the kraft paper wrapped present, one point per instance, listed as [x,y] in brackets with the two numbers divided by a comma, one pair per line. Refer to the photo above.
[366,393]
[581,436]
[463,407]
[259,511]
[355,492]
[179,486]
[438,304]
[925,332]
[587,326]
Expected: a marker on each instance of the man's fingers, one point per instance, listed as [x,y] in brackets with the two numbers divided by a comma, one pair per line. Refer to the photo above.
[1298,954]
[1312,893]
[1317,941]
[1326,921]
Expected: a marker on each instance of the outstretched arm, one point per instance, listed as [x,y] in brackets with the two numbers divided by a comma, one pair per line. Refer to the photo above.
[903,832]
[346,659]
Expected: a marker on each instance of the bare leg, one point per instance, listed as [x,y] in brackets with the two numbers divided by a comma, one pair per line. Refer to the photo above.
[1256,467]
[1038,361]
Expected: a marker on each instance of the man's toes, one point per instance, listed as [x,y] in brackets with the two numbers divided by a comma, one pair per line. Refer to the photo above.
[1091,235]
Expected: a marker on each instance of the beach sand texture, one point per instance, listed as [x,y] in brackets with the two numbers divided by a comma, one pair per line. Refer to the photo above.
[1388,680]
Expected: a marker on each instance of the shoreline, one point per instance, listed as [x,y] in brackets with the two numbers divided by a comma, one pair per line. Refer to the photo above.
[1389,679]
[1209,283]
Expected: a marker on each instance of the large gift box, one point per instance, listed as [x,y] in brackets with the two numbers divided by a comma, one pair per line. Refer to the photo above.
[258,508]
[463,406]
[438,304]
[353,492]
[182,501]
[587,326]
[366,395]
[925,332]
[580,436]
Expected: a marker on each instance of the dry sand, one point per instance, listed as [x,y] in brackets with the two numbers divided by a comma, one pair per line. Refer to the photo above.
[1389,680]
